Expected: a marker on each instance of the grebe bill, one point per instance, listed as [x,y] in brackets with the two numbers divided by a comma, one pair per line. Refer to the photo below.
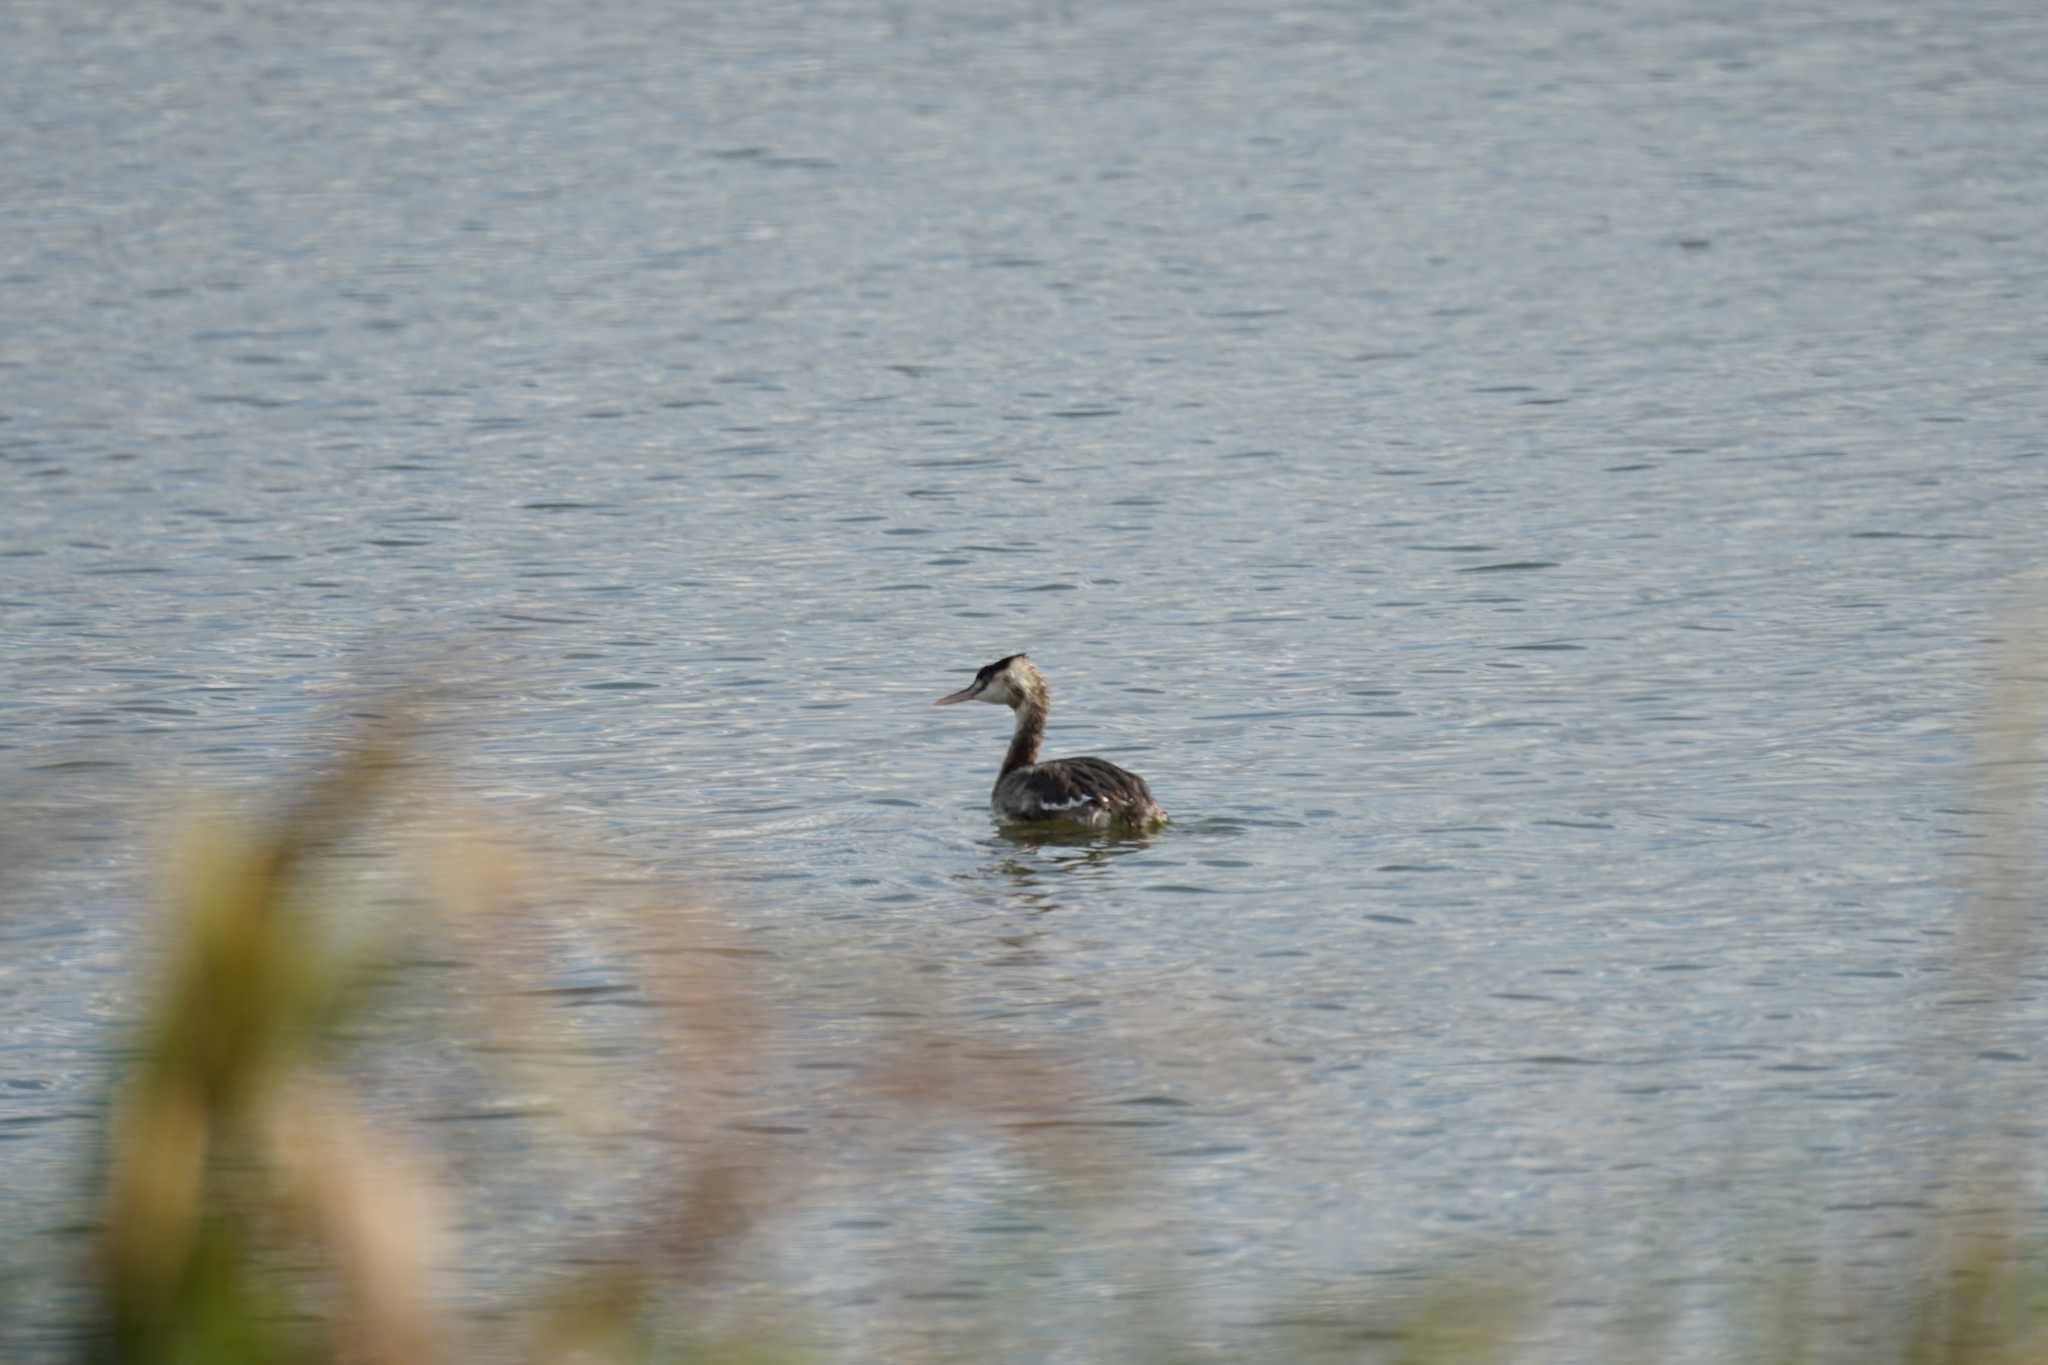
[1082,791]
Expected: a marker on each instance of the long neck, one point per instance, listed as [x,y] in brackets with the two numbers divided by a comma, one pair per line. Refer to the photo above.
[1030,729]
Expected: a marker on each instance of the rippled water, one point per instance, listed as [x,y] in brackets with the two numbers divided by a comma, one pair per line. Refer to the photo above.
[1533,491]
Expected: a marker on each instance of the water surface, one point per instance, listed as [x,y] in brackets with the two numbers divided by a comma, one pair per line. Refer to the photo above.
[1535,493]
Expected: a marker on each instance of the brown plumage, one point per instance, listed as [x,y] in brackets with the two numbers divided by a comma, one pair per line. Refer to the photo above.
[1083,791]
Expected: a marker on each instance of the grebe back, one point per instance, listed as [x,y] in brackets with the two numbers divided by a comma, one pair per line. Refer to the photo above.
[1084,791]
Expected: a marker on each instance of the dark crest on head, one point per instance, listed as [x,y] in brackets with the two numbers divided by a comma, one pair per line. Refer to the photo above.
[990,670]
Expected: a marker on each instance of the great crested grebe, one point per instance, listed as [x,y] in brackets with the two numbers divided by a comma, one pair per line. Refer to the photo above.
[1083,791]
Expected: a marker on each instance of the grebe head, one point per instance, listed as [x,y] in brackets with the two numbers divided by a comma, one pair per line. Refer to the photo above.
[1009,681]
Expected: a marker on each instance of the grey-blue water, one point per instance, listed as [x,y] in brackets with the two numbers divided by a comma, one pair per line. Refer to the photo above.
[1535,488]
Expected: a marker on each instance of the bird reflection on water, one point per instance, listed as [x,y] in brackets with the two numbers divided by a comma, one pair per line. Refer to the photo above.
[1025,864]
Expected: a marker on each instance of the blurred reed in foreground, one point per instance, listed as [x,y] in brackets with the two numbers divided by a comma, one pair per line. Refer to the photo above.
[227,1140]
[254,1213]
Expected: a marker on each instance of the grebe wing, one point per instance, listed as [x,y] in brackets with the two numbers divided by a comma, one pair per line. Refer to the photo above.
[1073,788]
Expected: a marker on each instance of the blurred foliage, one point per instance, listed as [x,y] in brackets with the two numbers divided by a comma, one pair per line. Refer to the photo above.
[253,1215]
